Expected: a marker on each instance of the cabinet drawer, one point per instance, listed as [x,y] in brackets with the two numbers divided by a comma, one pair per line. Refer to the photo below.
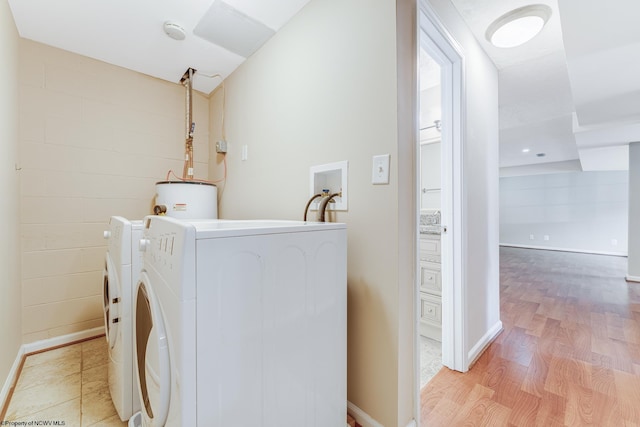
[430,248]
[430,279]
[430,309]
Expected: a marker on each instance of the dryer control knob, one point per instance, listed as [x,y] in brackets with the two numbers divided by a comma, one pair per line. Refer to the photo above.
[107,234]
[144,244]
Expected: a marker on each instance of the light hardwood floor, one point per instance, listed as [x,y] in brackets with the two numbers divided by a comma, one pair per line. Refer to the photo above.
[569,354]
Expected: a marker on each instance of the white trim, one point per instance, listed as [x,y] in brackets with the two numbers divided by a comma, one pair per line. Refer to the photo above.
[62,340]
[412,423]
[433,33]
[484,342]
[362,417]
[581,251]
[11,378]
[632,278]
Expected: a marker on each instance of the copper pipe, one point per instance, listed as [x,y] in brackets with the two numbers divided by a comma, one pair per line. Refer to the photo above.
[187,81]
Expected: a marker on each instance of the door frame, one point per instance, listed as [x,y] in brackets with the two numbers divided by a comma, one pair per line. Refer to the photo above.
[440,44]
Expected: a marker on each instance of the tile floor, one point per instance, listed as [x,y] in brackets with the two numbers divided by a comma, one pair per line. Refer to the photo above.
[66,384]
[70,384]
[430,359]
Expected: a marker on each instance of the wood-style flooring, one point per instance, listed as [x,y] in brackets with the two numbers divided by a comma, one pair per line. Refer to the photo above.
[569,354]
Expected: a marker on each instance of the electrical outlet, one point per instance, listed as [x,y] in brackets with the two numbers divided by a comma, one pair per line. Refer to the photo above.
[614,242]
[546,237]
[531,237]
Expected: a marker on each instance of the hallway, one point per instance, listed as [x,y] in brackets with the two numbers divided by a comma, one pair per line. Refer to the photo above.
[569,353]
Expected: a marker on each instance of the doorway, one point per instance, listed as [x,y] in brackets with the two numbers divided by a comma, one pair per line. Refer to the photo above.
[430,215]
[440,316]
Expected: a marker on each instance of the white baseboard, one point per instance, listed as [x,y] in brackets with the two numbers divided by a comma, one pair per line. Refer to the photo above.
[40,346]
[11,378]
[365,419]
[632,278]
[62,340]
[547,248]
[483,343]
[362,417]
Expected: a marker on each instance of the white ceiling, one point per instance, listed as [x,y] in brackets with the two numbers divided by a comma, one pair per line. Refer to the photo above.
[130,33]
[571,90]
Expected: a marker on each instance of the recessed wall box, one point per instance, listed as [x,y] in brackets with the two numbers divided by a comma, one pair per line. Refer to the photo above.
[331,177]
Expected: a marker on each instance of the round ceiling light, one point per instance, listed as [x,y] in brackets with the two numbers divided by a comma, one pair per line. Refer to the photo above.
[518,26]
[174,30]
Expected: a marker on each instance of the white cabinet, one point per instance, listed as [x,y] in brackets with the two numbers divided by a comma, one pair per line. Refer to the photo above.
[430,287]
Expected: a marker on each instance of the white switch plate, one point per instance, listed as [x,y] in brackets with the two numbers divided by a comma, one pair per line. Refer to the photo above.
[380,172]
[245,152]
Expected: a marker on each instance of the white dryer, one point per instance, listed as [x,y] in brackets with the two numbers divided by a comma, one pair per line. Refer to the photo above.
[242,323]
[123,262]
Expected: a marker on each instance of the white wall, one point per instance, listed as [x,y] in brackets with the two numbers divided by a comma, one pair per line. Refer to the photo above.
[580,211]
[633,269]
[10,315]
[480,183]
[430,180]
[94,139]
[430,111]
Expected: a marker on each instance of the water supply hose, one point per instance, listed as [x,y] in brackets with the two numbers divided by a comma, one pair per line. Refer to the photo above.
[306,208]
[323,205]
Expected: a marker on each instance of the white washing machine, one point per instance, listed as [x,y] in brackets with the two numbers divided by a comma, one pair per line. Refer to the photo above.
[242,323]
[123,262]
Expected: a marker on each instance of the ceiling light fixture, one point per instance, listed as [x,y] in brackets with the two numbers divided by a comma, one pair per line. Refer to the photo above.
[525,150]
[518,26]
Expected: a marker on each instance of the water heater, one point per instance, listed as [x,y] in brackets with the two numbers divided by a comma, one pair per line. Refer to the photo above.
[186,199]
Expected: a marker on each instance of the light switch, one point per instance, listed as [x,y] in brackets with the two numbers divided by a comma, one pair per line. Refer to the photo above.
[380,172]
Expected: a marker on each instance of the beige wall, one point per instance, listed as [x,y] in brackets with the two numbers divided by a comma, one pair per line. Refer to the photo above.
[94,138]
[9,189]
[336,84]
[331,86]
[324,90]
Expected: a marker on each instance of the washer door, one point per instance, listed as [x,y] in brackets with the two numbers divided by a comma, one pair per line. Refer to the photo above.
[152,356]
[110,301]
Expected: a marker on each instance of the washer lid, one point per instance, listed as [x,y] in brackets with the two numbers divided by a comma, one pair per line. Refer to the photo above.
[152,356]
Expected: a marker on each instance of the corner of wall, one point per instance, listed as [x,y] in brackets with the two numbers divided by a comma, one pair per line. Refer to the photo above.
[10,261]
